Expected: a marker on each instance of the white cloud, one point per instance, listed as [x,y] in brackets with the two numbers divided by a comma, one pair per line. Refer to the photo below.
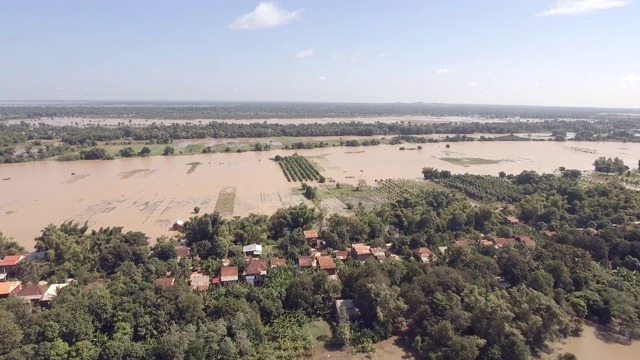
[536,85]
[383,55]
[630,79]
[474,84]
[572,7]
[322,77]
[443,71]
[305,54]
[266,15]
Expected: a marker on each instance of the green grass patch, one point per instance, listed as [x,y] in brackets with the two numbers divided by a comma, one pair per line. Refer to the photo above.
[320,332]
[466,161]
[194,166]
[192,149]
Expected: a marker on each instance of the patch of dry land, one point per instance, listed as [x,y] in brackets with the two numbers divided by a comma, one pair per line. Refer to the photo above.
[149,194]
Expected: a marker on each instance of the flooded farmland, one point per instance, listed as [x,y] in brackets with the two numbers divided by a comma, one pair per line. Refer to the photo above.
[149,194]
[596,344]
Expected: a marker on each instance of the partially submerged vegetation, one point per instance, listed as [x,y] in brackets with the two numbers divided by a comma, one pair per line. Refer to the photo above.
[298,168]
[193,166]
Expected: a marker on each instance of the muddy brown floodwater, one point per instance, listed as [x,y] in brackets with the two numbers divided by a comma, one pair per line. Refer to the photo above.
[149,194]
[595,344]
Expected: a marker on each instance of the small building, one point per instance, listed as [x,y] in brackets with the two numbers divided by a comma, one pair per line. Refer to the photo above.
[461,243]
[378,253]
[526,240]
[182,251]
[306,262]
[512,220]
[52,292]
[252,250]
[360,252]
[346,310]
[423,254]
[33,292]
[277,262]
[256,272]
[623,227]
[228,275]
[199,281]
[165,282]
[8,264]
[502,242]
[487,243]
[9,288]
[327,264]
[548,233]
[342,254]
[312,238]
[177,225]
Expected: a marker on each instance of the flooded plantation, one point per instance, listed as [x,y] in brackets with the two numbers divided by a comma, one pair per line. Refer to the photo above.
[150,194]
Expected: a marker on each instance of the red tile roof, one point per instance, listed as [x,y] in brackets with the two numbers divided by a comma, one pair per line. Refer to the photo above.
[548,233]
[229,273]
[183,251]
[305,261]
[326,263]
[513,219]
[361,249]
[462,243]
[277,262]
[255,267]
[9,287]
[33,292]
[501,242]
[526,240]
[342,254]
[11,260]
[487,243]
[310,234]
[422,252]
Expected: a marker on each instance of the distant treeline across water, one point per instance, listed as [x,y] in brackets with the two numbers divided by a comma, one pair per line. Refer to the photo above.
[230,110]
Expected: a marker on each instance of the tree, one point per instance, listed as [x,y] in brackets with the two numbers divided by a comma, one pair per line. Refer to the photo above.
[196,209]
[127,152]
[146,151]
[168,150]
[9,247]
[10,332]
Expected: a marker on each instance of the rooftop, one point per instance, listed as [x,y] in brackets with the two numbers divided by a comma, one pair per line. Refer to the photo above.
[11,260]
[52,291]
[256,267]
[361,249]
[33,291]
[310,234]
[277,262]
[7,287]
[326,263]
[305,261]
[342,254]
[183,251]
[164,282]
[252,248]
[501,242]
[229,273]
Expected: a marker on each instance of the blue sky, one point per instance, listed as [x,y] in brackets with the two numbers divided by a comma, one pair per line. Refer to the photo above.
[576,53]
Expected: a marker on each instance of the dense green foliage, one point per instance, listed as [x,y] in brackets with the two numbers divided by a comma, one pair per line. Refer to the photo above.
[610,165]
[473,302]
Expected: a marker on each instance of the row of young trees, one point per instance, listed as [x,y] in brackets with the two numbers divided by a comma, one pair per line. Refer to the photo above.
[298,168]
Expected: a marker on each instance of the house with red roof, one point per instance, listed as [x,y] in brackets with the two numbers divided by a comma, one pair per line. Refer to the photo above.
[312,238]
[277,262]
[327,264]
[228,275]
[526,240]
[502,242]
[342,254]
[33,292]
[256,272]
[423,254]
[306,262]
[8,264]
[9,288]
